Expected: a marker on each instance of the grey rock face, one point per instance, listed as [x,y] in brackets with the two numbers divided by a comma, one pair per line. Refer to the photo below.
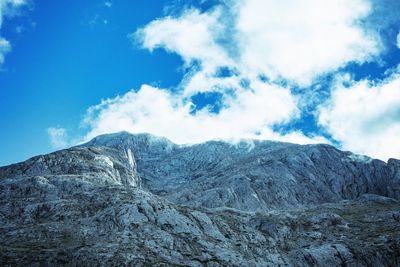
[95,165]
[254,175]
[139,200]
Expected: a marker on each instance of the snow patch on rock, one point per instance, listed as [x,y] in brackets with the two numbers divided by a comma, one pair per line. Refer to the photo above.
[360,158]
[104,160]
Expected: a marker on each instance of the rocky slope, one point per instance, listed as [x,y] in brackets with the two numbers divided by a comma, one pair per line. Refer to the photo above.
[254,175]
[140,200]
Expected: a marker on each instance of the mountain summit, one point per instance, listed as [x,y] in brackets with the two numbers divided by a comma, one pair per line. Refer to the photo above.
[124,199]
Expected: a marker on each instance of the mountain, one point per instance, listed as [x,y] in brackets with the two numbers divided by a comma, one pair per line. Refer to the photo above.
[141,200]
[253,175]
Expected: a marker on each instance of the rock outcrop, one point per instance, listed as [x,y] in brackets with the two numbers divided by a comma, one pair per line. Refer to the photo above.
[140,200]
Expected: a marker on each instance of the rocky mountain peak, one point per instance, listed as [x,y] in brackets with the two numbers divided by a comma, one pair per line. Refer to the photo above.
[124,199]
[142,143]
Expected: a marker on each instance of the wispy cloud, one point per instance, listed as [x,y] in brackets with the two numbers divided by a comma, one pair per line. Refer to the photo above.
[7,8]
[58,137]
[398,40]
[5,47]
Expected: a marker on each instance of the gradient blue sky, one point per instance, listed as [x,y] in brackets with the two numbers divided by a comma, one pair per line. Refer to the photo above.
[66,60]
[67,56]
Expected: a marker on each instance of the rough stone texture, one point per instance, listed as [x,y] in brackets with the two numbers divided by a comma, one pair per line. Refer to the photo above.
[254,175]
[140,200]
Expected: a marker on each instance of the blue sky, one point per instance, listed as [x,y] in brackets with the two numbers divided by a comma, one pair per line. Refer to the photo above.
[67,61]
[199,70]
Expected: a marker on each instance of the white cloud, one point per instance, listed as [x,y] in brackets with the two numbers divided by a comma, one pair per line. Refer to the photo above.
[7,8]
[293,40]
[5,47]
[203,81]
[249,114]
[300,40]
[58,137]
[192,36]
[398,40]
[365,117]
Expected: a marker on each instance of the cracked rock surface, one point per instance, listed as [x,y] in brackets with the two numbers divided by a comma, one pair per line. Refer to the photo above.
[140,200]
